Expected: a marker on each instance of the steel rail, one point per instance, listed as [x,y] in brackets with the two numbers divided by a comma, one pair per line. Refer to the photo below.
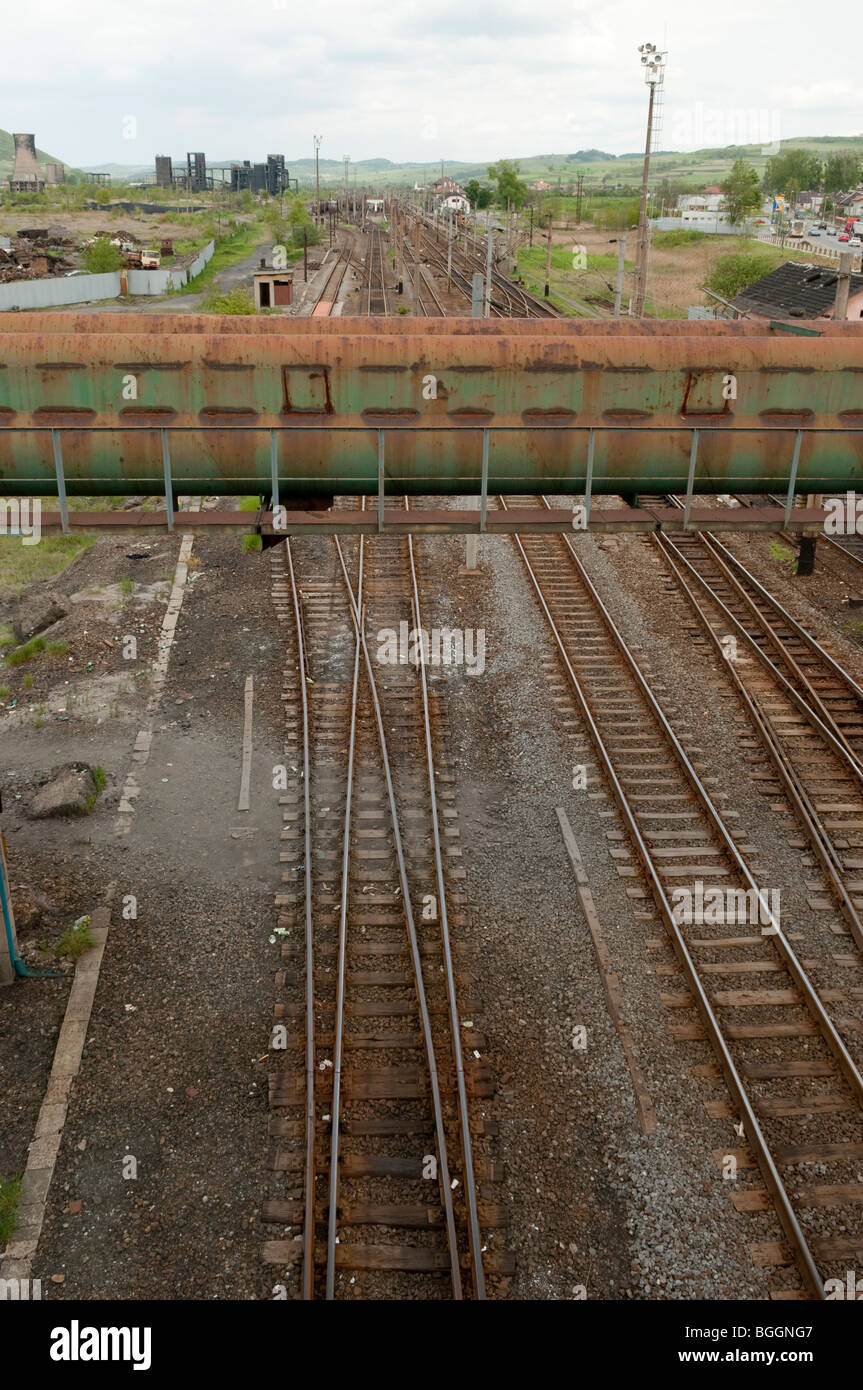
[425,1017]
[766,1162]
[338,1047]
[819,718]
[340,265]
[738,575]
[308,1281]
[449,969]
[777,935]
[795,789]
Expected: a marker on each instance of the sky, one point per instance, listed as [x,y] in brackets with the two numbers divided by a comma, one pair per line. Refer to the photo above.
[417,80]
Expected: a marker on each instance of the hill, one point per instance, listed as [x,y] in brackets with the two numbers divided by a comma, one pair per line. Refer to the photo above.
[600,169]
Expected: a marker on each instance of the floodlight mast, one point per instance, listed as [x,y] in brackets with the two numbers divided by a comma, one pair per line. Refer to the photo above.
[653,63]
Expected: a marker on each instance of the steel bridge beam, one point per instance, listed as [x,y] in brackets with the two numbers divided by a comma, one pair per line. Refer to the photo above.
[138,402]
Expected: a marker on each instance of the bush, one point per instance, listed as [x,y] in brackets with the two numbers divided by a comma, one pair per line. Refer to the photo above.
[733,272]
[102,256]
[236,301]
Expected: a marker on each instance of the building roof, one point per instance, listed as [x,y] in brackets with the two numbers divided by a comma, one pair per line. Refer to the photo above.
[795,290]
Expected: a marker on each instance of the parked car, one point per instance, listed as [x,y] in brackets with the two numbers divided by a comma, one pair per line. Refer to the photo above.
[855,241]
[814,231]
[843,236]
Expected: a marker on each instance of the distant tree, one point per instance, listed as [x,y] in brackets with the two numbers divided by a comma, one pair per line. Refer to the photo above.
[102,256]
[740,191]
[791,171]
[510,188]
[103,196]
[842,172]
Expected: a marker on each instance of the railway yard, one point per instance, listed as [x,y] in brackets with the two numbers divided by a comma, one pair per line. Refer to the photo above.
[411,987]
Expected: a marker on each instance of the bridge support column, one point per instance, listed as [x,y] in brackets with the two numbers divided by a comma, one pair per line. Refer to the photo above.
[806,555]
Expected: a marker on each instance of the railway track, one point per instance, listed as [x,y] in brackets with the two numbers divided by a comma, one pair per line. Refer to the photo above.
[378,1125]
[795,1091]
[328,297]
[508,300]
[376,301]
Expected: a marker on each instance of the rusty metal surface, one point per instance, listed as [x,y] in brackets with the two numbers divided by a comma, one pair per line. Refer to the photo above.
[524,519]
[109,382]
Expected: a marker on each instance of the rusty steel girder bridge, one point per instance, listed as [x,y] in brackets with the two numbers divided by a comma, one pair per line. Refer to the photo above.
[298,411]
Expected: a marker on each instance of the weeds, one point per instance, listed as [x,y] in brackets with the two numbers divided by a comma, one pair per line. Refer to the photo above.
[9,1190]
[75,940]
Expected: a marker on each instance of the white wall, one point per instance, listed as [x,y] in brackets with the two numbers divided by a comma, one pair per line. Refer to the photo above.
[81,289]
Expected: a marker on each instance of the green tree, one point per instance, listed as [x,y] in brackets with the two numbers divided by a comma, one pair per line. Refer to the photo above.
[791,171]
[510,188]
[103,196]
[102,256]
[842,172]
[740,191]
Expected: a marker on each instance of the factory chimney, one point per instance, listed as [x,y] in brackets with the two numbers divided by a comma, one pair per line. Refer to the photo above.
[26,170]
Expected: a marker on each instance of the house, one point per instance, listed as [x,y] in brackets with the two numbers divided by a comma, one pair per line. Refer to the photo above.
[798,291]
[709,201]
[444,186]
[541,186]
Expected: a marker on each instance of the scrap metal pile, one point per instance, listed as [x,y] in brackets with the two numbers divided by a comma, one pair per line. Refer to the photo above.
[35,253]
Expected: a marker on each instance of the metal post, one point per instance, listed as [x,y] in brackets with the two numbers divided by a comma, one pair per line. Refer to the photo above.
[305,255]
[792,480]
[61,481]
[840,306]
[169,493]
[588,481]
[381,480]
[476,296]
[618,289]
[487,310]
[483,486]
[8,940]
[693,454]
[449,255]
[274,468]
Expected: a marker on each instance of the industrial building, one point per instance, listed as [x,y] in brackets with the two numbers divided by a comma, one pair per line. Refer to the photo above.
[27,176]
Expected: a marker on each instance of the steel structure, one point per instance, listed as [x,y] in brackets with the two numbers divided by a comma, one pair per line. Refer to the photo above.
[114,404]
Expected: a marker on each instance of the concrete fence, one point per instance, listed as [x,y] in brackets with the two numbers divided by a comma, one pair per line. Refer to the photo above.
[830,253]
[83,289]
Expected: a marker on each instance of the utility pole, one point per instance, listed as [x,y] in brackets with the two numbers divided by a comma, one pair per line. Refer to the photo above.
[487,310]
[618,288]
[317,139]
[530,238]
[548,256]
[653,63]
[840,306]
[449,254]
[347,160]
[579,185]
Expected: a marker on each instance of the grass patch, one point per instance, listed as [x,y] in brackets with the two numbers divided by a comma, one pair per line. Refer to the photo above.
[22,565]
[251,542]
[781,554]
[9,1190]
[75,940]
[57,648]
[27,681]
[127,587]
[4,691]
[99,778]
[26,652]
[249,504]
[683,236]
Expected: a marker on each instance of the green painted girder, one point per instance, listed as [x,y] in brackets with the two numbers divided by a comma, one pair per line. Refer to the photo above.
[116,389]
